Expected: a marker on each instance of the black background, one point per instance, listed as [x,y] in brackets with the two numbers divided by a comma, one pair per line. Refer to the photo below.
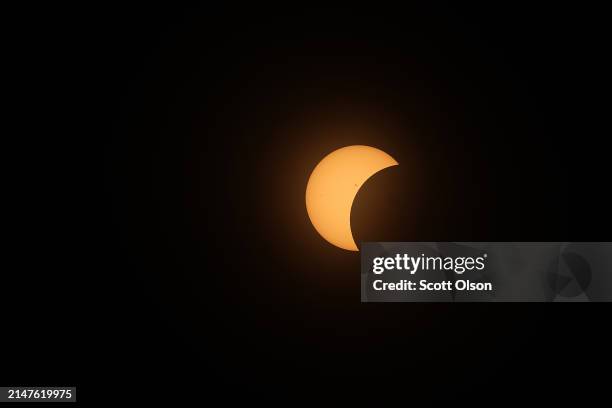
[193,271]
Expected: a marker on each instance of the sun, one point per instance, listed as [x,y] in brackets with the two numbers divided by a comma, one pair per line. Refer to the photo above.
[333,185]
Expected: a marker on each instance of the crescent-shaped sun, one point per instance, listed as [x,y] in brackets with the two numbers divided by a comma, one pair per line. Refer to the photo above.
[333,185]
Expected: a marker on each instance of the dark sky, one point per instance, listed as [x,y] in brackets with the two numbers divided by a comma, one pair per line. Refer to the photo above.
[208,271]
[222,118]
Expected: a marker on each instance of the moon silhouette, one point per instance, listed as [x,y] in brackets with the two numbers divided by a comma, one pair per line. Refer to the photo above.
[333,185]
